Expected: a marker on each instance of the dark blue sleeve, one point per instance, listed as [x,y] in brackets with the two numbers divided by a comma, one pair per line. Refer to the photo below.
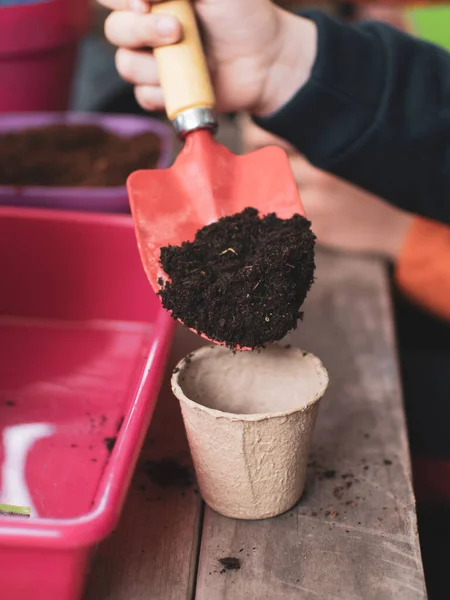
[375,111]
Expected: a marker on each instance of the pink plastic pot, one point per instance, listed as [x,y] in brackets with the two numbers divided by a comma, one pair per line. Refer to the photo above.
[83,345]
[113,199]
[38,50]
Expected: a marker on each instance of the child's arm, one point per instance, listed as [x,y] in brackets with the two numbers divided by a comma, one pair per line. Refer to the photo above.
[376,111]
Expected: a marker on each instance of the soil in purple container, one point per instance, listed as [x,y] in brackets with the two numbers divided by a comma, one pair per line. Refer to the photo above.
[74,155]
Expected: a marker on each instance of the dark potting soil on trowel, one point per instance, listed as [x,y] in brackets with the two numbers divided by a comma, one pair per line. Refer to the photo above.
[243,279]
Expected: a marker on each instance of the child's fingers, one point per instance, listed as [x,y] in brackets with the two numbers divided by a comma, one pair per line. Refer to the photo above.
[137,66]
[149,97]
[131,30]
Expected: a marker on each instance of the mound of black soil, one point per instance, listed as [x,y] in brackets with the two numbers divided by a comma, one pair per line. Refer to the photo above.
[243,279]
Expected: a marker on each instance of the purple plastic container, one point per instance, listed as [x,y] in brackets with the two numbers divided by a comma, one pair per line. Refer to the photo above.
[99,199]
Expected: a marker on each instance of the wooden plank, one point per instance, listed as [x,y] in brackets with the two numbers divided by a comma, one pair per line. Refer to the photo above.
[153,552]
[353,535]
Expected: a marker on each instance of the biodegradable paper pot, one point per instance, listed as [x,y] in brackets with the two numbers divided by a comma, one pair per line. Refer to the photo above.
[249,419]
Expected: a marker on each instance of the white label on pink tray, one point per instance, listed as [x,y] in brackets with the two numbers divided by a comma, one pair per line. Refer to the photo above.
[17,442]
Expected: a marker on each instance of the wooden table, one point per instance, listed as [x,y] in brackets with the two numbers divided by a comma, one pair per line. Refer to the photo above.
[353,536]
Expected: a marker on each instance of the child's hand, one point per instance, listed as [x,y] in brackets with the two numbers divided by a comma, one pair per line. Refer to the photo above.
[259,54]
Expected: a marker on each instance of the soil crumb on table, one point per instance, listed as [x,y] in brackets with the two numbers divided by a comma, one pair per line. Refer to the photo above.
[169,473]
[74,155]
[243,279]
[230,563]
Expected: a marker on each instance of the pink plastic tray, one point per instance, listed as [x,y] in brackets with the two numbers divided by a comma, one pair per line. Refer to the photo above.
[83,344]
[107,199]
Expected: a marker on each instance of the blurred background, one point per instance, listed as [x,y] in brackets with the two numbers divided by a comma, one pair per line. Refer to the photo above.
[53,56]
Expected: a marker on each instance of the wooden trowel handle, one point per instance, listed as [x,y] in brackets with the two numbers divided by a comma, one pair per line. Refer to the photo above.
[184,75]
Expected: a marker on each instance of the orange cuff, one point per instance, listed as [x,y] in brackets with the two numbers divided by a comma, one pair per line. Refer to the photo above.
[422,271]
